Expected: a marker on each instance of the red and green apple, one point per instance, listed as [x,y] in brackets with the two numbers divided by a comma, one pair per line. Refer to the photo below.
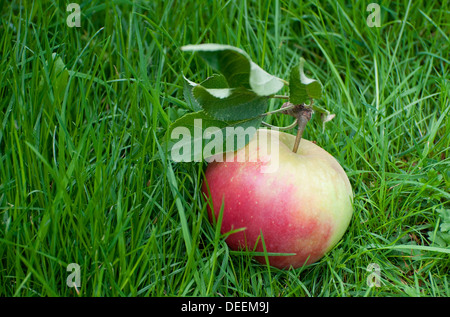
[302,207]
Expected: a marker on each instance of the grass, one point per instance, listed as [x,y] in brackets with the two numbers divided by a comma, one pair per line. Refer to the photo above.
[82,179]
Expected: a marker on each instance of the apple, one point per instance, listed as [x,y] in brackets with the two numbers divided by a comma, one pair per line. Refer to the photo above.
[302,208]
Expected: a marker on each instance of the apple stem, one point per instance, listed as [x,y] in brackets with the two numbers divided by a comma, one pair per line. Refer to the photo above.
[302,121]
[302,113]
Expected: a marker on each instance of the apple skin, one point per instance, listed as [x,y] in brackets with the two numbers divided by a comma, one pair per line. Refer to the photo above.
[304,207]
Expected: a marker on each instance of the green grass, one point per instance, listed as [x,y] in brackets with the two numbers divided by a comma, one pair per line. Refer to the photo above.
[82,179]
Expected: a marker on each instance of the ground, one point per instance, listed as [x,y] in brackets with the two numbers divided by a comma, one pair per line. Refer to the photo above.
[83,180]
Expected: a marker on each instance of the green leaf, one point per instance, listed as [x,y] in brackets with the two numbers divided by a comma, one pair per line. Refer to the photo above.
[442,236]
[224,103]
[197,136]
[302,88]
[230,103]
[322,115]
[262,83]
[237,67]
[214,81]
[59,77]
[188,96]
[232,62]
[174,113]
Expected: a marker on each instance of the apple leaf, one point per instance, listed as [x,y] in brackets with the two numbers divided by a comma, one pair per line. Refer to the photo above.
[213,82]
[262,83]
[230,61]
[237,68]
[323,115]
[326,117]
[188,96]
[197,136]
[230,103]
[221,102]
[302,88]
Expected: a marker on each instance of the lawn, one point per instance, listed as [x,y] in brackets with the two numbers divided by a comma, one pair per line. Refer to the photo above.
[84,183]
